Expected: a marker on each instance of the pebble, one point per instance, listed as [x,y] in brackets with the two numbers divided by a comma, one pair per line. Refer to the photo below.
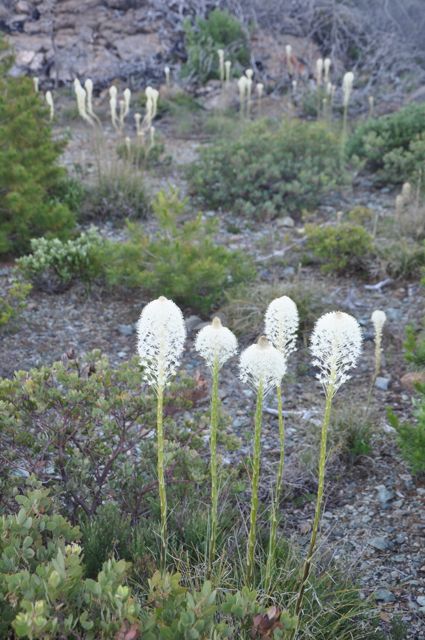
[192,322]
[381,543]
[382,383]
[384,595]
[126,329]
[384,495]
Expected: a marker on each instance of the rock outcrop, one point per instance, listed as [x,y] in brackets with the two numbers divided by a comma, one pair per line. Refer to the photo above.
[102,39]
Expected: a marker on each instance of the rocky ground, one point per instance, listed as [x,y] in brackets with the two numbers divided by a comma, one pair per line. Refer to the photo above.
[374,518]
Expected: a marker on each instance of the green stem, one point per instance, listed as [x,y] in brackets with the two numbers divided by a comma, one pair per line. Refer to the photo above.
[343,135]
[213,463]
[276,500]
[319,501]
[160,471]
[255,484]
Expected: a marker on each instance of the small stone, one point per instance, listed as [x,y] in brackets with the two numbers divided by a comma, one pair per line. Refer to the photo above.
[126,329]
[380,543]
[421,601]
[384,595]
[287,221]
[384,495]
[382,383]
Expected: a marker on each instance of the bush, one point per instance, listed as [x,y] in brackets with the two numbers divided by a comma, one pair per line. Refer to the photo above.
[411,437]
[344,248]
[268,171]
[182,262]
[219,31]
[393,146]
[43,592]
[29,173]
[83,428]
[118,194]
[54,264]
[13,301]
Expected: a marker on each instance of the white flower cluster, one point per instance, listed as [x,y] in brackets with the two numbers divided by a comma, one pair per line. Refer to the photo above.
[335,345]
[281,324]
[262,364]
[161,334]
[216,343]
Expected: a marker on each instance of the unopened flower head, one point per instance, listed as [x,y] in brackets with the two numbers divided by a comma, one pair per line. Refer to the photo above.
[127,100]
[167,75]
[88,86]
[161,334]
[227,66]
[406,191]
[347,87]
[281,324]
[319,70]
[216,344]
[36,83]
[378,318]
[335,345]
[262,365]
[50,103]
[249,74]
[327,67]
[259,89]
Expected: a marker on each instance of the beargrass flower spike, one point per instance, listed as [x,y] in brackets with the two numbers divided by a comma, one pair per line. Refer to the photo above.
[161,334]
[263,367]
[50,104]
[281,328]
[216,344]
[378,318]
[336,346]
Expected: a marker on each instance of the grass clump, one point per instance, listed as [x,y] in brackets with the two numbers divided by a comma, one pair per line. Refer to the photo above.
[411,436]
[220,30]
[393,146]
[30,176]
[344,248]
[268,171]
[181,262]
[12,301]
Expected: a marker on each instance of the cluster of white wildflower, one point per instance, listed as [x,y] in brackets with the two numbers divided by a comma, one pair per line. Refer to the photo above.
[216,344]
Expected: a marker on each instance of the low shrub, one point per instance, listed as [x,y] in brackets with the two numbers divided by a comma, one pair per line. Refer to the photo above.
[344,248]
[30,175]
[181,262]
[268,171]
[402,258]
[13,300]
[84,429]
[118,194]
[54,264]
[220,30]
[411,436]
[392,146]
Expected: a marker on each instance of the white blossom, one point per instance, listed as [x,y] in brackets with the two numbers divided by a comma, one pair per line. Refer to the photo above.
[262,364]
[281,324]
[335,346]
[216,343]
[378,319]
[347,87]
[161,335]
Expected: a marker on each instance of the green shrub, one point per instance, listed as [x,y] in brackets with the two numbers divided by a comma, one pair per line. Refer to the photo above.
[402,258]
[414,346]
[393,146]
[340,249]
[13,300]
[29,170]
[268,171]
[219,31]
[118,194]
[54,264]
[411,436]
[43,592]
[83,428]
[181,262]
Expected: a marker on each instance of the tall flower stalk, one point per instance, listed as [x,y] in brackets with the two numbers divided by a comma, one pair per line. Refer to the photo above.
[263,367]
[378,318]
[281,326]
[347,88]
[161,335]
[335,346]
[216,344]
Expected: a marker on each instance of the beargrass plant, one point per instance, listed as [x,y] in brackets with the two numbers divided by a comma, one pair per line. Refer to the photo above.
[262,367]
[335,346]
[161,334]
[216,344]
[281,327]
